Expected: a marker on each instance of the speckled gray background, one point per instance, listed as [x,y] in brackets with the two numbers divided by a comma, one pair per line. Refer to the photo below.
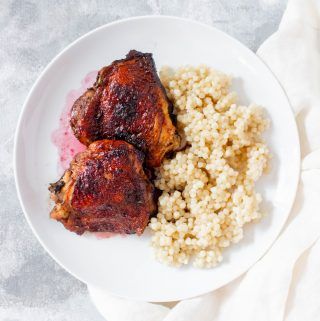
[32,286]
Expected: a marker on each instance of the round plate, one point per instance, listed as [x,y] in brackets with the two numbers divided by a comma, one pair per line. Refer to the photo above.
[125,266]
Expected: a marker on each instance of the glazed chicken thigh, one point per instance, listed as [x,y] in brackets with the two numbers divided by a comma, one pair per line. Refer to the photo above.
[104,189]
[128,102]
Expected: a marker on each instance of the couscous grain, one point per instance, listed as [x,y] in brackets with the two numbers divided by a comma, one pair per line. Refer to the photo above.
[208,188]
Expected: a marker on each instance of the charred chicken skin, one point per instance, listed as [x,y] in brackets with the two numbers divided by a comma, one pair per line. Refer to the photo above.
[128,102]
[104,189]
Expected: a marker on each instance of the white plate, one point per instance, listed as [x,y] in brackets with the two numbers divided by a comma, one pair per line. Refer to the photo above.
[125,266]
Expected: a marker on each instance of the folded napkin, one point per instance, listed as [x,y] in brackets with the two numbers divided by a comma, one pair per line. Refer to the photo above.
[285,283]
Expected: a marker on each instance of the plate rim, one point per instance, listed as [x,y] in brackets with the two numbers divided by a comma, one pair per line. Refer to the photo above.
[33,88]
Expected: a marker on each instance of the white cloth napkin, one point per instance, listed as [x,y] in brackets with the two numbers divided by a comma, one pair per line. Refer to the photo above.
[285,283]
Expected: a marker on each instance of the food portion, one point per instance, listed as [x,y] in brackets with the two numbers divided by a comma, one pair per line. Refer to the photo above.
[204,170]
[128,102]
[207,189]
[105,189]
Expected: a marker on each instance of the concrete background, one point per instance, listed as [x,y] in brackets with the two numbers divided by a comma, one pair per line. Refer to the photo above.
[32,286]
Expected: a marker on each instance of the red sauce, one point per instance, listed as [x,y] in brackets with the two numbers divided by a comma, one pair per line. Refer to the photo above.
[67,144]
[104,235]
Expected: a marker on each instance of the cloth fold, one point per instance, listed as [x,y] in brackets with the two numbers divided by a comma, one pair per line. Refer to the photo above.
[285,283]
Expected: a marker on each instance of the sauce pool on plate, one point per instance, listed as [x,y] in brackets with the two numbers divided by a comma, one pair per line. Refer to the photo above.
[67,144]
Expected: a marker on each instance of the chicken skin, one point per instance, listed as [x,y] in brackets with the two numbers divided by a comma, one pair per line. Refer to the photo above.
[128,102]
[105,189]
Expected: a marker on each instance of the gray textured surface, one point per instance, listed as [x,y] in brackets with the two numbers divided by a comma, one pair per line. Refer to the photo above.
[32,286]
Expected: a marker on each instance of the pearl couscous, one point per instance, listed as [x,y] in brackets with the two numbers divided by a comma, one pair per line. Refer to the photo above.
[207,189]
